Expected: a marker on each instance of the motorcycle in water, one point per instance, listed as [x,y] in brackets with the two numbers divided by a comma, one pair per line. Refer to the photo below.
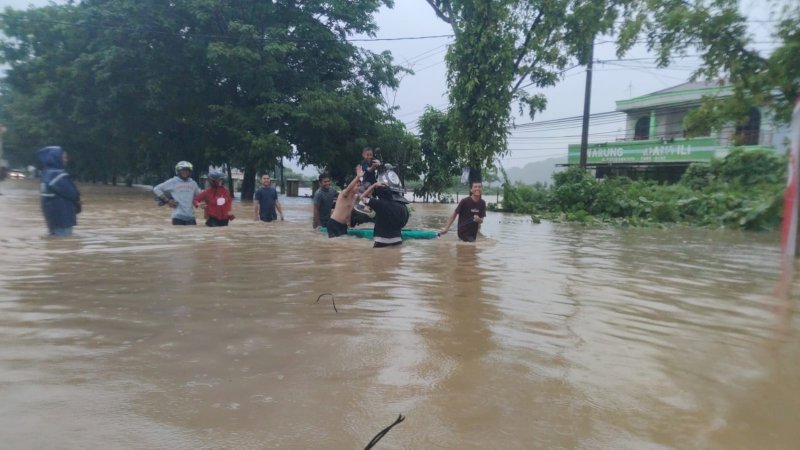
[386,175]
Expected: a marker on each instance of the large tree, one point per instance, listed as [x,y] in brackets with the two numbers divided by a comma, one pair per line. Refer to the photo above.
[502,49]
[135,85]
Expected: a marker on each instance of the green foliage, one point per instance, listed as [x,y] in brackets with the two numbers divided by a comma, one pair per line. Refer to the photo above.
[525,199]
[743,190]
[504,47]
[573,190]
[698,176]
[751,168]
[718,31]
[131,86]
[440,162]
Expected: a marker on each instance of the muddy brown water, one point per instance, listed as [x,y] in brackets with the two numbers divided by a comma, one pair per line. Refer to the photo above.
[134,334]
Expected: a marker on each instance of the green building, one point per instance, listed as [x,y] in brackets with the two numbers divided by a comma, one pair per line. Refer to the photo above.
[655,143]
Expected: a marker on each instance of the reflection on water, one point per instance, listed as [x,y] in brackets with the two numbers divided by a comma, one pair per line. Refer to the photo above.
[137,334]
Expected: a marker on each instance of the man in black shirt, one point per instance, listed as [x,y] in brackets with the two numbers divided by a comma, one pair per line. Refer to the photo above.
[470,211]
[391,214]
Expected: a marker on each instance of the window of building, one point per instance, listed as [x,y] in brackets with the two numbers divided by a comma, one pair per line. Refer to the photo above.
[747,133]
[699,127]
[641,131]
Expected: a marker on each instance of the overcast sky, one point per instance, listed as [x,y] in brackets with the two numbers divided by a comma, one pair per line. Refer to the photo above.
[613,79]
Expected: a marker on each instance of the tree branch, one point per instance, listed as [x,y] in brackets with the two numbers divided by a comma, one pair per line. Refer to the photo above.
[523,48]
[437,8]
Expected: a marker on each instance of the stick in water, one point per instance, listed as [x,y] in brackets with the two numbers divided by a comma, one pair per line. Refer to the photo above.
[333,300]
[383,432]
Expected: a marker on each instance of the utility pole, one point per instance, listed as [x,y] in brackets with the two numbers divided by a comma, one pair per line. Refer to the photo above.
[587,99]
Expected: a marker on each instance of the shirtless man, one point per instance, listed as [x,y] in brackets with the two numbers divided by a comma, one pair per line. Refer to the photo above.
[340,217]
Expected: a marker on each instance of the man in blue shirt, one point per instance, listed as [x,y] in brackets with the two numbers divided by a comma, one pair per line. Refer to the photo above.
[266,200]
[323,202]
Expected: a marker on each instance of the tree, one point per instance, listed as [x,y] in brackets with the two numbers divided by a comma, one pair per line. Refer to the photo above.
[440,160]
[132,86]
[108,80]
[503,47]
[334,141]
[717,29]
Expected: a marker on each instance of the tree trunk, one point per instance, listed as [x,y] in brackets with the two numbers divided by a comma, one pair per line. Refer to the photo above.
[249,183]
[230,177]
[283,181]
[475,175]
[200,167]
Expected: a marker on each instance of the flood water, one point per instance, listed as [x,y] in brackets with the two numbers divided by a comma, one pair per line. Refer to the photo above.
[134,334]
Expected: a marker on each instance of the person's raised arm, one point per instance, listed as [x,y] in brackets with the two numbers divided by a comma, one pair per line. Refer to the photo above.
[354,182]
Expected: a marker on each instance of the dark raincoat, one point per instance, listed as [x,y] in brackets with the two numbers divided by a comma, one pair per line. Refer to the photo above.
[60,197]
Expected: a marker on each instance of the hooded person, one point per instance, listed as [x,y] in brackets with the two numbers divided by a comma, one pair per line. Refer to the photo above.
[216,201]
[179,193]
[391,214]
[61,201]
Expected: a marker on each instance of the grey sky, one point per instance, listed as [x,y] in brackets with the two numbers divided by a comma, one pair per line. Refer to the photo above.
[613,80]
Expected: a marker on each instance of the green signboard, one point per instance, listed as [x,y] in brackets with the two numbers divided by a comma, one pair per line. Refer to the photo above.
[644,152]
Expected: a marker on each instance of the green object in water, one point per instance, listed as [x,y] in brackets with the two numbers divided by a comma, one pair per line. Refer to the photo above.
[368,233]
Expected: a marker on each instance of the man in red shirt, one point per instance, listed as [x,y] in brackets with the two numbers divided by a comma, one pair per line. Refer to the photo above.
[216,201]
[470,211]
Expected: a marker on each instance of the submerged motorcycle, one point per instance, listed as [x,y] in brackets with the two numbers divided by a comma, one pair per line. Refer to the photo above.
[386,175]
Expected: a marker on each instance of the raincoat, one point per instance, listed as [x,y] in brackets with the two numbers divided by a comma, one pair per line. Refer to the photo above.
[60,198]
[218,202]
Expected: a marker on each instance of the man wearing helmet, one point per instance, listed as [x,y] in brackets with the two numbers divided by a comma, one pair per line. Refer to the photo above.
[179,192]
[216,201]
[391,213]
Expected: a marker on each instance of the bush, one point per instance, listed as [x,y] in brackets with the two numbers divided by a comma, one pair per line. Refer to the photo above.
[752,168]
[698,176]
[574,190]
[744,190]
[741,169]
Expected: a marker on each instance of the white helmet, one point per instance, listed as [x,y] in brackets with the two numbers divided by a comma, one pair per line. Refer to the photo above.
[183,165]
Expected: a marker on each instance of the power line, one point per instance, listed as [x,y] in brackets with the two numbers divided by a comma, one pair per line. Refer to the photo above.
[406,38]
[187,34]
[566,119]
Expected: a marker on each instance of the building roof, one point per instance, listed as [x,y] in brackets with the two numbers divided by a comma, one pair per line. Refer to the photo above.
[687,93]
